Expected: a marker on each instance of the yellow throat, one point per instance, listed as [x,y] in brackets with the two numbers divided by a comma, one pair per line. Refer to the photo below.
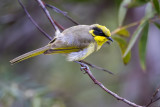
[99,38]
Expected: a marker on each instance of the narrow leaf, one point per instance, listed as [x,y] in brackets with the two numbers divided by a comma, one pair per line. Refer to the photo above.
[156,6]
[127,58]
[134,37]
[136,3]
[122,11]
[123,32]
[123,44]
[143,45]
[157,25]
[117,2]
[149,11]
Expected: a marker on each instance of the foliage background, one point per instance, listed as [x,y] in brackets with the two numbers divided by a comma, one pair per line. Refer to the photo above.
[50,81]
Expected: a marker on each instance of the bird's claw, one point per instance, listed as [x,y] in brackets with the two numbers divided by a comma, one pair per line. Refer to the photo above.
[84,68]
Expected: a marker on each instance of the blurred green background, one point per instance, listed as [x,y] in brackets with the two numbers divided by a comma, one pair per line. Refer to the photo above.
[51,81]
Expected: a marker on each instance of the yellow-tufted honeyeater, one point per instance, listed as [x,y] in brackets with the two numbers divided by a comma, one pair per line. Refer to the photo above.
[76,42]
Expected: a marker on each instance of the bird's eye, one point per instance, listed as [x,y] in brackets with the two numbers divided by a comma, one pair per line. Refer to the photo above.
[98,32]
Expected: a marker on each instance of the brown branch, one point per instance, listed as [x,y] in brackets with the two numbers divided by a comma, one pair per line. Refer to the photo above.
[156,100]
[59,26]
[48,15]
[153,97]
[62,12]
[34,22]
[96,67]
[89,73]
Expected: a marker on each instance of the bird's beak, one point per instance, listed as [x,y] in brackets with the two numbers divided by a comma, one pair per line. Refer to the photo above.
[109,38]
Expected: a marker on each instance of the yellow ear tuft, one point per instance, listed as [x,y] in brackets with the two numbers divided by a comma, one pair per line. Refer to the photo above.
[91,32]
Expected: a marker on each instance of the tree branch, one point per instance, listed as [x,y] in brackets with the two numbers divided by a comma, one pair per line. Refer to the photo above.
[89,73]
[153,97]
[34,22]
[62,12]
[48,15]
[96,67]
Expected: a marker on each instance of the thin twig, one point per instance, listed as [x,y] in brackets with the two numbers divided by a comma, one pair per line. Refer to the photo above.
[125,27]
[62,12]
[48,15]
[153,96]
[87,71]
[97,67]
[156,100]
[131,25]
[56,9]
[34,22]
[58,25]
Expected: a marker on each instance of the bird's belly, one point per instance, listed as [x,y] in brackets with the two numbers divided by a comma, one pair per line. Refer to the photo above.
[80,55]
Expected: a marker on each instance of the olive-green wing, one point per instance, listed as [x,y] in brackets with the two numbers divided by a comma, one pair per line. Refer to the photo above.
[61,50]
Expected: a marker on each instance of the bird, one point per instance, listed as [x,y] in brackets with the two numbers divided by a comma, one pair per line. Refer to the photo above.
[76,42]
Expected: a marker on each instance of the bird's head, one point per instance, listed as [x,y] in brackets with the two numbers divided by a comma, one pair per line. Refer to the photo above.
[100,33]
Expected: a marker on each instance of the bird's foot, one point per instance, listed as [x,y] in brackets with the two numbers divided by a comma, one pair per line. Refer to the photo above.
[84,67]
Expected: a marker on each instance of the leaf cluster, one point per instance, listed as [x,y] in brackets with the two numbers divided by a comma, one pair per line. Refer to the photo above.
[152,14]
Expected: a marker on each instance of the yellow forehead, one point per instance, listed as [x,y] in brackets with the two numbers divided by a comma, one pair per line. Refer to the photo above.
[104,29]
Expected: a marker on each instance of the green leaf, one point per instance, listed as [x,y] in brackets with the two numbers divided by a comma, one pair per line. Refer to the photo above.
[117,2]
[156,6]
[122,11]
[157,25]
[143,46]
[134,37]
[123,44]
[127,58]
[149,11]
[136,3]
[123,32]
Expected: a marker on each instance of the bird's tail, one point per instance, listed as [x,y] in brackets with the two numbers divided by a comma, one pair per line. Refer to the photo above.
[29,55]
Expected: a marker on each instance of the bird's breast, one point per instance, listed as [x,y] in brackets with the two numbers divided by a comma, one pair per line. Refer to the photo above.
[80,55]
